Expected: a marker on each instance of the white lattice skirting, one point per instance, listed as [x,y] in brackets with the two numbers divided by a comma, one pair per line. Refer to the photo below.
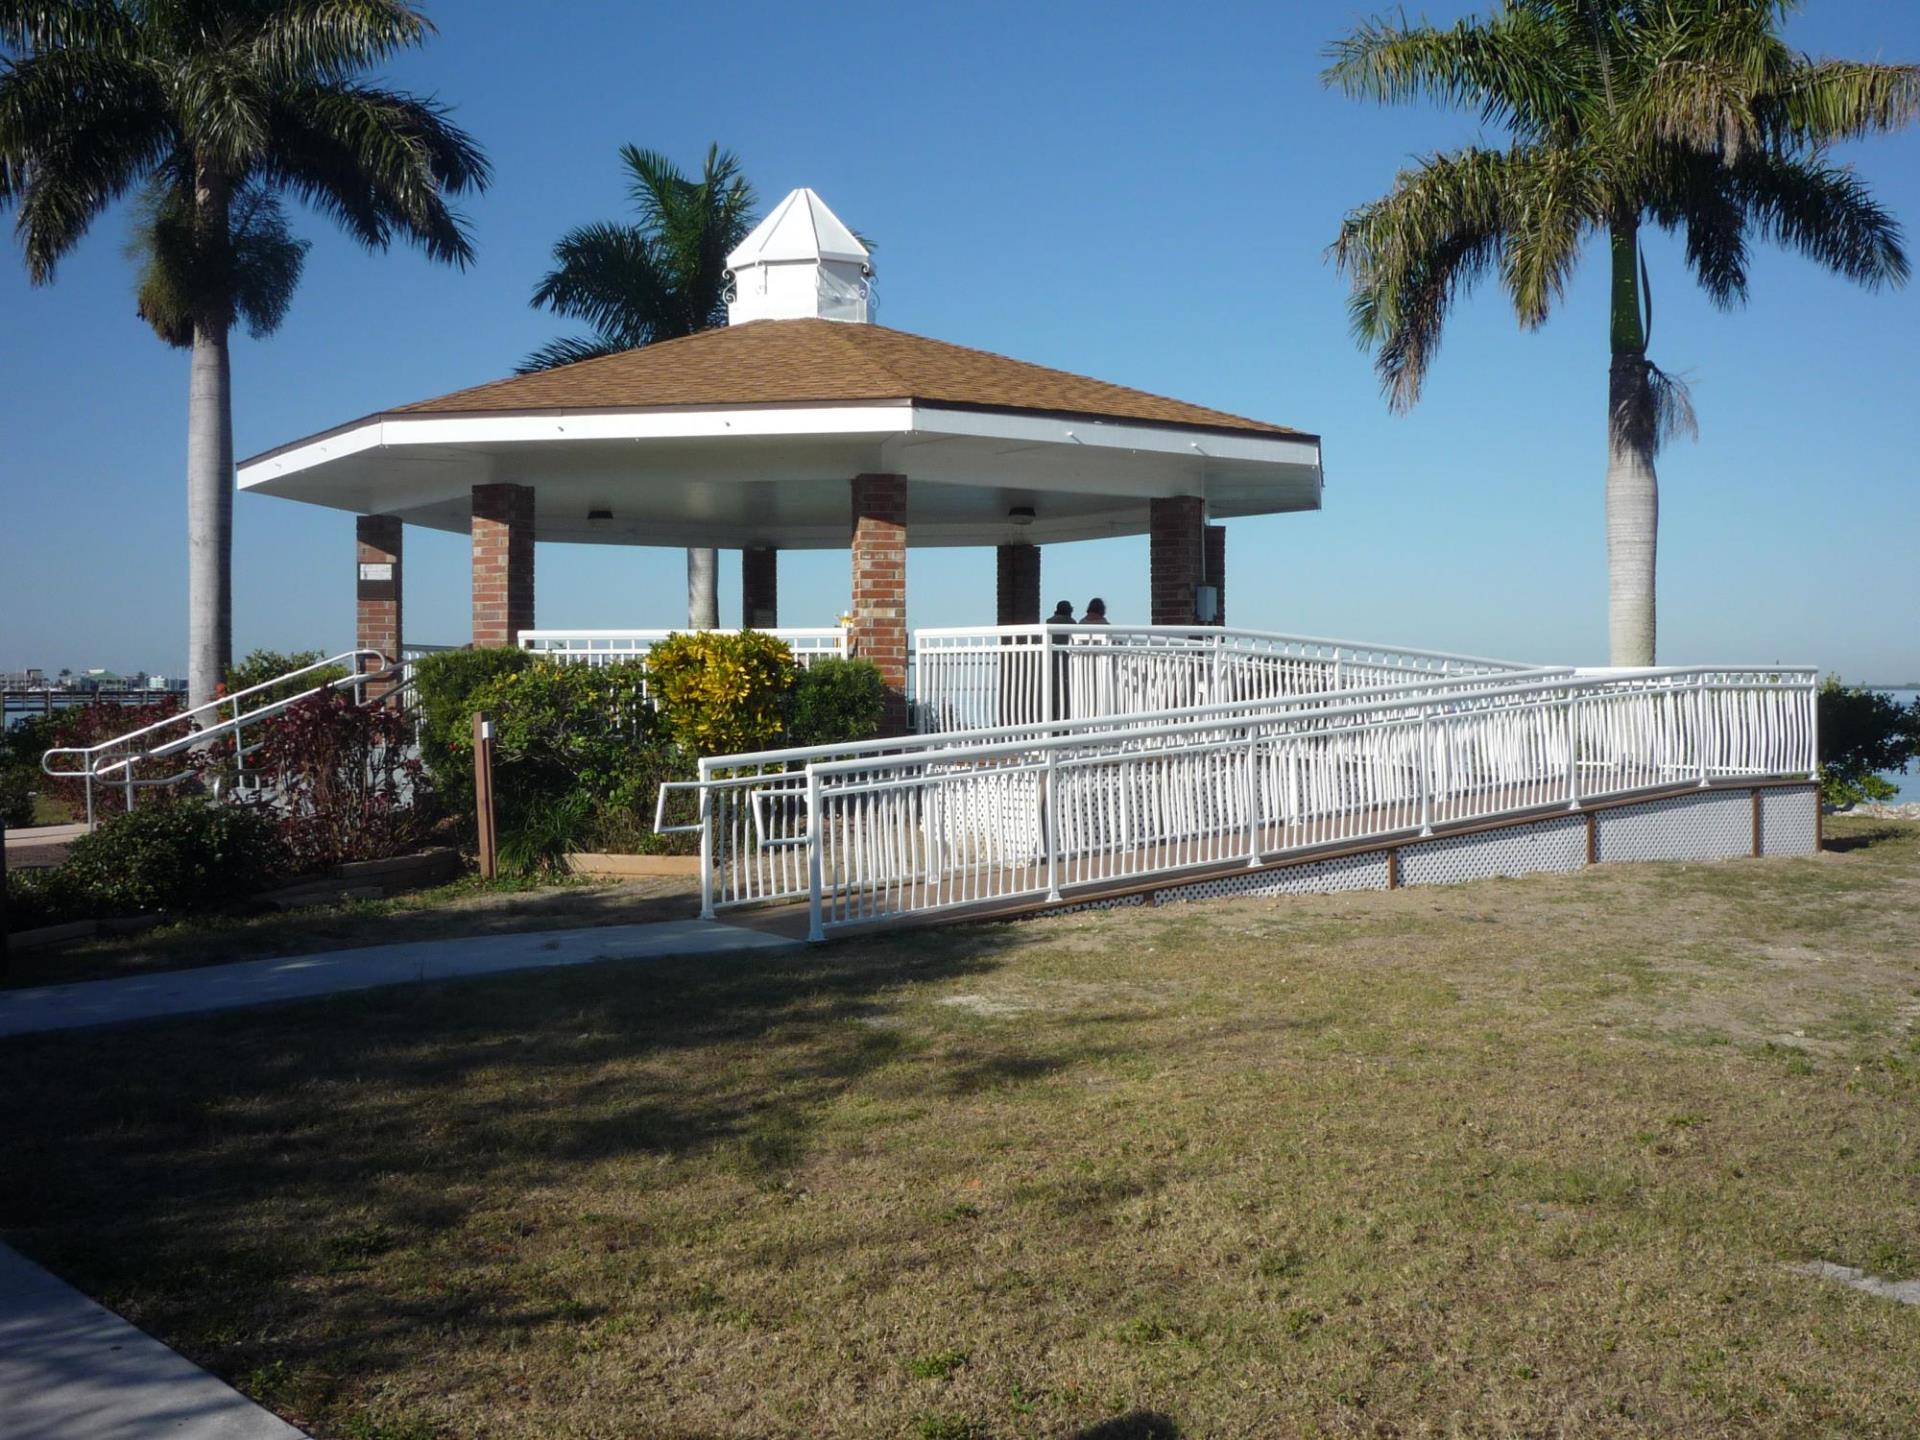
[1709,825]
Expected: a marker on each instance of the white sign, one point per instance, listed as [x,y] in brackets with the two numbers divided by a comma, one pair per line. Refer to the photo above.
[381,571]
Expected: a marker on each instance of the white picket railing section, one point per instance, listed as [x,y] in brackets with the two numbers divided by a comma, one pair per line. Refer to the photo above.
[750,813]
[952,822]
[608,647]
[981,676]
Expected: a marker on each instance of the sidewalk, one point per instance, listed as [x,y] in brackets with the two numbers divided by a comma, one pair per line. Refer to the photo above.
[71,1370]
[301,977]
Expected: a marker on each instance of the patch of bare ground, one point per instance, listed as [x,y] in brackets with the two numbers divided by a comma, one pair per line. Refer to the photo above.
[1521,1158]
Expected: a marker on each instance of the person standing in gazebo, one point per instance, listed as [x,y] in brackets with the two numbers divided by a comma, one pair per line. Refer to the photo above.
[1096,678]
[1056,644]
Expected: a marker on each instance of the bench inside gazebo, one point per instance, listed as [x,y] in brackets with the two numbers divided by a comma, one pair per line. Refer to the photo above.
[800,425]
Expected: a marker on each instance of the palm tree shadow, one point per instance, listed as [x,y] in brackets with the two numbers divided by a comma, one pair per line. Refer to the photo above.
[1134,1425]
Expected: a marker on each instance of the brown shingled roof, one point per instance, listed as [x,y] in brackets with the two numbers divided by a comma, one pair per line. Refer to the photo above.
[785,362]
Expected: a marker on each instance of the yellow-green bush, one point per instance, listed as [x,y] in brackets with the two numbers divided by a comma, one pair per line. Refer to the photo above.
[722,693]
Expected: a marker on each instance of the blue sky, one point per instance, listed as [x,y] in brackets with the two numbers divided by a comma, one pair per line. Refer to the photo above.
[1142,193]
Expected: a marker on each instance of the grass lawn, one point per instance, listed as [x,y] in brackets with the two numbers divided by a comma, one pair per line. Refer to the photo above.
[1517,1158]
[470,906]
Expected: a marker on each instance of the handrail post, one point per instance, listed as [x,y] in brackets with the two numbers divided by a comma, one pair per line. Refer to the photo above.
[1250,778]
[1049,830]
[1045,649]
[1426,774]
[816,931]
[1573,752]
[1700,725]
[706,846]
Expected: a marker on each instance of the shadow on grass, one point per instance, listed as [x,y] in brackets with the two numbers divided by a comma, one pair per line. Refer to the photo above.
[269,1186]
[1134,1425]
[1866,839]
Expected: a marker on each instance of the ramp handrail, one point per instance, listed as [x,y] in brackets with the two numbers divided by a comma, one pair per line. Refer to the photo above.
[123,752]
[734,872]
[964,675]
[1039,818]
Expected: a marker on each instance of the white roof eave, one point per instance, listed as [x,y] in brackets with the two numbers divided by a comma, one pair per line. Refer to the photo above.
[866,419]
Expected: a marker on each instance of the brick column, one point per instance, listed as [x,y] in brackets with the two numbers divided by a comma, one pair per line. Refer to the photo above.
[880,586]
[760,587]
[1018,585]
[1178,556]
[502,563]
[377,540]
[1216,541]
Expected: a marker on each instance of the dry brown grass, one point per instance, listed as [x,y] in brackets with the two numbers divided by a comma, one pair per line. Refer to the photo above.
[1519,1158]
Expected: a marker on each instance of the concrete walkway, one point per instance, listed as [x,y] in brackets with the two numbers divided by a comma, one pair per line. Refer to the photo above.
[301,977]
[71,1370]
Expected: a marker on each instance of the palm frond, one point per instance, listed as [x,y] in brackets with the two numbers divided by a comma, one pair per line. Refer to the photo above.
[1827,100]
[1673,413]
[1825,212]
[334,39]
[1515,69]
[77,131]
[567,350]
[379,162]
[607,276]
[1443,227]
[250,274]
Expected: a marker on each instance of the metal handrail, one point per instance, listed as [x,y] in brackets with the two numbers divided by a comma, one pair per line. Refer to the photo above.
[1036,815]
[124,757]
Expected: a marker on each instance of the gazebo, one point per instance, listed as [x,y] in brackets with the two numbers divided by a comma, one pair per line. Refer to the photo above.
[800,425]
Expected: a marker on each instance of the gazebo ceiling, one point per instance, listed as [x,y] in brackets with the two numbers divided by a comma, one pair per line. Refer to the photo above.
[748,435]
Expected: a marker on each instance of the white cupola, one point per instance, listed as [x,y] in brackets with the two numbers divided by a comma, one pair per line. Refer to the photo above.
[799,262]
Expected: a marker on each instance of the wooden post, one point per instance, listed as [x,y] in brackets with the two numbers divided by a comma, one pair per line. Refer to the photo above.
[1757,848]
[483,795]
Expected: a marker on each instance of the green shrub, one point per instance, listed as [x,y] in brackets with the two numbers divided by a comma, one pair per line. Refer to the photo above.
[835,700]
[179,855]
[264,665]
[577,758]
[721,692]
[17,786]
[1863,732]
[43,897]
[25,741]
[445,684]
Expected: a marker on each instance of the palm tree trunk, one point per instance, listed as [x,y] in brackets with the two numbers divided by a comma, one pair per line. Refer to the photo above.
[703,588]
[209,514]
[1633,486]
[210,457]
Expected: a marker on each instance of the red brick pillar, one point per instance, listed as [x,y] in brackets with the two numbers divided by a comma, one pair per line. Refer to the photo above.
[1217,568]
[760,587]
[377,588]
[1018,585]
[880,586]
[1178,556]
[502,563]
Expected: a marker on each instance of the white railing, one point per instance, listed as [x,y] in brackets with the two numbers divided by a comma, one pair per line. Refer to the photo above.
[116,763]
[980,676]
[608,647]
[945,828]
[750,808]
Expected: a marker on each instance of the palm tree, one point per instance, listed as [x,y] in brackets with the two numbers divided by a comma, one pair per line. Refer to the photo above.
[658,279]
[1690,115]
[214,110]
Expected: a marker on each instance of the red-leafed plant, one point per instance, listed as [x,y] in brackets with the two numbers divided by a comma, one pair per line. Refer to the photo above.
[349,791]
[83,726]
